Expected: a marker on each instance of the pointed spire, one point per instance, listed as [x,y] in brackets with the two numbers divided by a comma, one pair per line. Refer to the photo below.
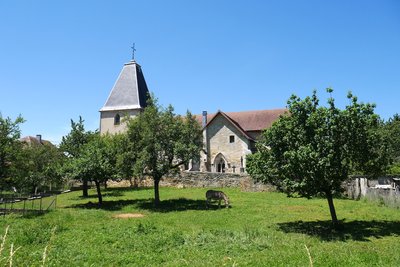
[129,91]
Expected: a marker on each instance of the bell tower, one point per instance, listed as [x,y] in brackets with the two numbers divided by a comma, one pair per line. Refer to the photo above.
[128,97]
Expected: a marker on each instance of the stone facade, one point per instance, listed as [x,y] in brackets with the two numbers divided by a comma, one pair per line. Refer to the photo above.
[108,123]
[226,147]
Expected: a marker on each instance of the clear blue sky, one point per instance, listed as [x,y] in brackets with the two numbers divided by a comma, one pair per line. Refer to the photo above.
[60,59]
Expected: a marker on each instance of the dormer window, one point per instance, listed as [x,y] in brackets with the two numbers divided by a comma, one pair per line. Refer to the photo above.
[117,119]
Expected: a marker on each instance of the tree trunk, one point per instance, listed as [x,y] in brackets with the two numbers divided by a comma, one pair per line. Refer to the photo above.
[99,196]
[105,184]
[332,208]
[85,188]
[156,192]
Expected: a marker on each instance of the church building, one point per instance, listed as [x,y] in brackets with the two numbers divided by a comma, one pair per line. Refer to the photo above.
[228,137]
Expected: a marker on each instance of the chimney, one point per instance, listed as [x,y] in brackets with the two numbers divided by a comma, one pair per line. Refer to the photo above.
[39,138]
[204,119]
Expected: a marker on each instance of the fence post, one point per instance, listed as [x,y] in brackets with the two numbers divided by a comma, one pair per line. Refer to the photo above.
[40,204]
[12,202]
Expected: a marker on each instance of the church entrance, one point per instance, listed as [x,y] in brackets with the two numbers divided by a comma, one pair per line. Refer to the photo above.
[220,163]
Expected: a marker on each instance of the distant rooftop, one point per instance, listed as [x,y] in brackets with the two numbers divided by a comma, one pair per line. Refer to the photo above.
[35,140]
[255,120]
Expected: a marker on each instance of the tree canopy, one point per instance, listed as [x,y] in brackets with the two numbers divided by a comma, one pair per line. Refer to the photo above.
[161,141]
[95,162]
[38,165]
[72,145]
[312,149]
[391,130]
[9,147]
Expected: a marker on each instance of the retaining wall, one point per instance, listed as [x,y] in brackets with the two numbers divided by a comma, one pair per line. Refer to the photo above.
[209,179]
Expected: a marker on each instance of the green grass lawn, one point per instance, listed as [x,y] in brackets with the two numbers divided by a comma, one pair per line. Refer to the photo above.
[261,229]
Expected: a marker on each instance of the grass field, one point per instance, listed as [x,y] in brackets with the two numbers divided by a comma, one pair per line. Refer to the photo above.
[261,229]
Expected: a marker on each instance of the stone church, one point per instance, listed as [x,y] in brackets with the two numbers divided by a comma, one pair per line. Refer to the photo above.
[228,136]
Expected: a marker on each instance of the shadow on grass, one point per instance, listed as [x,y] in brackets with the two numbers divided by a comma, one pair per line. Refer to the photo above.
[170,205]
[354,230]
[114,192]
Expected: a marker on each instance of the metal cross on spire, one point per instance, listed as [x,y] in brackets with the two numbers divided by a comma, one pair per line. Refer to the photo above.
[133,51]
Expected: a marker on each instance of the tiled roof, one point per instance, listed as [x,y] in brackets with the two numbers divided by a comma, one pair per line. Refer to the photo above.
[129,91]
[255,120]
[33,140]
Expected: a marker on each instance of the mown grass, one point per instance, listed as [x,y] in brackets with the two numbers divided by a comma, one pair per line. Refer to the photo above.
[261,229]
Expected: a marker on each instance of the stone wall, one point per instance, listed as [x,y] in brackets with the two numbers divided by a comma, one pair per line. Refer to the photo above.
[359,186]
[209,180]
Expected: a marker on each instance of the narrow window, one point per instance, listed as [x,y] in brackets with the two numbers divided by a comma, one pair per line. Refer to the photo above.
[231,139]
[117,119]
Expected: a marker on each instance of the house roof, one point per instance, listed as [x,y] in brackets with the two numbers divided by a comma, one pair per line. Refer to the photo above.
[130,90]
[255,120]
[34,140]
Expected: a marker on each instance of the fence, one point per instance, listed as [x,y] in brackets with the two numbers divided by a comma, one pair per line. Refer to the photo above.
[385,190]
[33,204]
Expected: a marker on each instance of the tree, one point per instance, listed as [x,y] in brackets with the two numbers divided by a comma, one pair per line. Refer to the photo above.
[391,130]
[72,144]
[9,147]
[312,149]
[125,157]
[95,161]
[162,142]
[38,164]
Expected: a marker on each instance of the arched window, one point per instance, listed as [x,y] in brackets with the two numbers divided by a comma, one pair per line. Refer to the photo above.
[117,119]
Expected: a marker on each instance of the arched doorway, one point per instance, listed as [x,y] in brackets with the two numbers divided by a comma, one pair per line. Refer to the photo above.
[220,163]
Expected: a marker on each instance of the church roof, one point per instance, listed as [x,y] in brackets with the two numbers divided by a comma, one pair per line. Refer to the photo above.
[129,91]
[255,120]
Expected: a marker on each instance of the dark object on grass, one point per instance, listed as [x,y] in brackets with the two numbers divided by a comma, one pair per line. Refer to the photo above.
[217,195]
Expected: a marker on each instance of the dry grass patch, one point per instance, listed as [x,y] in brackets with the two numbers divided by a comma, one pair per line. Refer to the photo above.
[128,215]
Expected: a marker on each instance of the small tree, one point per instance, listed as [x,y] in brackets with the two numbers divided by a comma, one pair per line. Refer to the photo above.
[38,165]
[72,144]
[95,162]
[162,142]
[311,150]
[9,147]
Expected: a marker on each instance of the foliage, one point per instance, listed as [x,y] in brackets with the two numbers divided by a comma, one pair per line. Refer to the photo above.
[38,164]
[9,148]
[312,150]
[125,156]
[391,130]
[162,141]
[72,144]
[96,161]
[261,229]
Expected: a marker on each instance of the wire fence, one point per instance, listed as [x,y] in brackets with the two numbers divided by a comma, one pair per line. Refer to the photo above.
[10,203]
